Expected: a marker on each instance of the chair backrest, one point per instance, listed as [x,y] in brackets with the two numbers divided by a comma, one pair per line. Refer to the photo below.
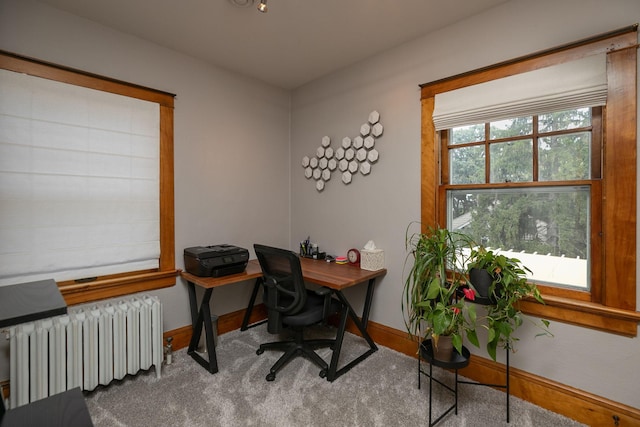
[283,284]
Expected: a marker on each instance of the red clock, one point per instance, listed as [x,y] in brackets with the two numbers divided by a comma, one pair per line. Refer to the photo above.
[353,255]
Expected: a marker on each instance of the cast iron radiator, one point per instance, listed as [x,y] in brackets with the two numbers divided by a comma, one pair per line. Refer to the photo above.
[91,345]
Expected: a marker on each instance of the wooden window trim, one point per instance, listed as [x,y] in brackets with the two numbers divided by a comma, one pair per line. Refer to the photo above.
[137,281]
[612,307]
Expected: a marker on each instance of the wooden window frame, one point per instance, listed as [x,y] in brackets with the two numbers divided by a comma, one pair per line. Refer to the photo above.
[611,305]
[76,292]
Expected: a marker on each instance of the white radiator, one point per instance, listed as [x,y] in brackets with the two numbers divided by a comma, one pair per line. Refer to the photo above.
[92,345]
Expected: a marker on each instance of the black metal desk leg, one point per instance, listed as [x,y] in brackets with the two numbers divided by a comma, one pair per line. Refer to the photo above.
[249,310]
[193,302]
[200,318]
[334,372]
[367,303]
[333,365]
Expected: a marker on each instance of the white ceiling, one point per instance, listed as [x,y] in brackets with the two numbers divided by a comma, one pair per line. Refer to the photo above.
[295,42]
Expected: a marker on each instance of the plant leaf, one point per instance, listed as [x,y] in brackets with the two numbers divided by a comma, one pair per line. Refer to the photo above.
[456,339]
[491,348]
[472,336]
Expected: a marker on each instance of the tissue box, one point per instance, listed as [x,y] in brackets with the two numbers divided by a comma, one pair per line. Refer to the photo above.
[372,259]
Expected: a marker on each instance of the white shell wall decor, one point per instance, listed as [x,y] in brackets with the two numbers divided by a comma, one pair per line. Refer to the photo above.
[353,155]
[346,177]
[349,154]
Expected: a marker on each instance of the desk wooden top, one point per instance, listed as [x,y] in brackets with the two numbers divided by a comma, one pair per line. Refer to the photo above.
[336,276]
[320,272]
[253,271]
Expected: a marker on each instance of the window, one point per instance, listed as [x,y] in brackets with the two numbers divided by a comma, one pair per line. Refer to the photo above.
[523,186]
[560,183]
[83,143]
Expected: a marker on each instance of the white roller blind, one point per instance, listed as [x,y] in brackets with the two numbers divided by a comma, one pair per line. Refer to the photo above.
[79,181]
[580,83]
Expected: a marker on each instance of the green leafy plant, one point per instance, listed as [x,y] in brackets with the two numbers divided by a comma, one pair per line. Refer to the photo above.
[433,304]
[508,286]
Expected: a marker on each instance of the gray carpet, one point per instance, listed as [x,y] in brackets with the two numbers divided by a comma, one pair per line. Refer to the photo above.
[381,391]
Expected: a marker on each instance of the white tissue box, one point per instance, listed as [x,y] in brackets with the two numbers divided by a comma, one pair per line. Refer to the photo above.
[372,259]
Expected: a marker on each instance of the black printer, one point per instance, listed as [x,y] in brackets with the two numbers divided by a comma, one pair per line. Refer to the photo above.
[215,260]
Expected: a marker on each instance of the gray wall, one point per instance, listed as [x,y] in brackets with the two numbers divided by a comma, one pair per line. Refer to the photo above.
[239,144]
[381,205]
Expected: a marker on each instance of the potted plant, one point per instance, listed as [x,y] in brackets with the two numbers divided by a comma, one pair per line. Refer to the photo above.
[501,283]
[432,304]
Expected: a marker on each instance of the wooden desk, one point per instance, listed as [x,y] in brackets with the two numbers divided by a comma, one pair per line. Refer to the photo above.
[201,312]
[333,276]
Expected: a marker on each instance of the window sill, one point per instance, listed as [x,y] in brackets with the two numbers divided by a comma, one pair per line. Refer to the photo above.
[583,313]
[77,293]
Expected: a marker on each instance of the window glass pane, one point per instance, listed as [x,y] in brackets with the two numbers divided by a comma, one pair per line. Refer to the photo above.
[465,134]
[511,161]
[467,165]
[563,120]
[564,157]
[511,127]
[545,228]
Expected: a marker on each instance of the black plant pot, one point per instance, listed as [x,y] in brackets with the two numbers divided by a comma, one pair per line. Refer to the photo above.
[481,281]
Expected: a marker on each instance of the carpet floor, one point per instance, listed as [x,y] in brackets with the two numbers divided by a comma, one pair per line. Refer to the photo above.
[381,391]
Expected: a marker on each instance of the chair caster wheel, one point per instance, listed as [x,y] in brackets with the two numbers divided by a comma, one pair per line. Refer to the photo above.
[323,373]
[270,376]
[259,351]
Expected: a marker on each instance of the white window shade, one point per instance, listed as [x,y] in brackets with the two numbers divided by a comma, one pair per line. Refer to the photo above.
[580,83]
[79,179]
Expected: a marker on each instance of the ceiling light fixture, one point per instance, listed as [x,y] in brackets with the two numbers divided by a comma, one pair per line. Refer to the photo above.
[242,3]
[262,7]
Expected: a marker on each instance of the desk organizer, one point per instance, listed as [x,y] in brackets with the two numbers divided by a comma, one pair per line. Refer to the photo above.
[372,259]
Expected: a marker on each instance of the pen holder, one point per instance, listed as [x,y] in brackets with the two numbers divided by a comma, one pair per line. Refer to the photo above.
[309,250]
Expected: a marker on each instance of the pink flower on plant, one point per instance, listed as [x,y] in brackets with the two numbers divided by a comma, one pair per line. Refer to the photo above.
[456,310]
[469,294]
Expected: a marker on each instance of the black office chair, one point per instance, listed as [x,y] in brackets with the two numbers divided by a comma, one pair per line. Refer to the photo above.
[290,304]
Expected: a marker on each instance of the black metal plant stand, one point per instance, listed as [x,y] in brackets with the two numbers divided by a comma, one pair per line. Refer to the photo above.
[489,301]
[458,361]
[504,386]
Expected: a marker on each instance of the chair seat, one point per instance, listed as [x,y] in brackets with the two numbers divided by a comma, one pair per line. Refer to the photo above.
[313,311]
